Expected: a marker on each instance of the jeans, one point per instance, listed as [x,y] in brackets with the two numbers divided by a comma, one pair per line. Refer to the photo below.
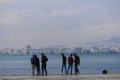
[38,70]
[76,69]
[63,67]
[70,66]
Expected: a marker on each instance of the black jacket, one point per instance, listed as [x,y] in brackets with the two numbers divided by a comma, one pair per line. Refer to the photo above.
[64,59]
[35,60]
[44,59]
[77,59]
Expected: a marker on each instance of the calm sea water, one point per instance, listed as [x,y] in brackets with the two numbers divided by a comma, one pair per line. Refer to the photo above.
[90,63]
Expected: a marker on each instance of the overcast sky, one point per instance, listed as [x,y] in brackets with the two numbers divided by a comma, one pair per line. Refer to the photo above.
[57,22]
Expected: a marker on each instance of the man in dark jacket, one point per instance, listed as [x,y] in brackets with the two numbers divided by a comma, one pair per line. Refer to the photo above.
[44,60]
[63,63]
[77,62]
[33,63]
[37,65]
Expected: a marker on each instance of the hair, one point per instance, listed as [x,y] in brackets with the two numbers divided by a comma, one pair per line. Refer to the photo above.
[62,54]
[74,53]
[34,55]
[70,54]
[41,53]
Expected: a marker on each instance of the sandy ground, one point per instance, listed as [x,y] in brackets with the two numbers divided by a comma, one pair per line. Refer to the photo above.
[64,77]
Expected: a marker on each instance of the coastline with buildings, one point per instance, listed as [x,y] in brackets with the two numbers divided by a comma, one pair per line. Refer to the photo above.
[61,49]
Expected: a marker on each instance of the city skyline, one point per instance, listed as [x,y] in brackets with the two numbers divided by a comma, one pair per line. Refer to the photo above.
[43,23]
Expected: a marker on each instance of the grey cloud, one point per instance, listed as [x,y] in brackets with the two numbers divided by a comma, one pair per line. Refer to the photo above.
[47,22]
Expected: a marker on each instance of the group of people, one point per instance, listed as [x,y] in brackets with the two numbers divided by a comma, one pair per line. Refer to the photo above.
[71,60]
[36,64]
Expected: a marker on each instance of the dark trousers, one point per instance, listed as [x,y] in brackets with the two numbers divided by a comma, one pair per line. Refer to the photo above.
[76,69]
[70,66]
[38,70]
[44,69]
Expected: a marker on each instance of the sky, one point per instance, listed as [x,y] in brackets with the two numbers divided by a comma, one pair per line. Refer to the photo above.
[43,23]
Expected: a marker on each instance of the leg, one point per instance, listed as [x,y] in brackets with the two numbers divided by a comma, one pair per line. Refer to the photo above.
[68,68]
[45,69]
[42,69]
[38,70]
[75,68]
[65,68]
[33,69]
[71,65]
[62,69]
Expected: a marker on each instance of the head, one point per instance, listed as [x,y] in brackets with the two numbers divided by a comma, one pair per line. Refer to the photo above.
[42,54]
[74,54]
[62,54]
[34,55]
[70,54]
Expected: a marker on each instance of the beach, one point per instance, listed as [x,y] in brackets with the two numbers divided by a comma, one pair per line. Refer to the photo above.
[64,77]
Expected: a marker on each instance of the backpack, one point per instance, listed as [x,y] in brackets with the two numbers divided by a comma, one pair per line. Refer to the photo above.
[46,59]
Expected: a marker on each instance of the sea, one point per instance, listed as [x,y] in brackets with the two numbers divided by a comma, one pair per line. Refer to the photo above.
[89,64]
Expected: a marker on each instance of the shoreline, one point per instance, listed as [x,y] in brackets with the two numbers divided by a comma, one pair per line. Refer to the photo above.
[63,77]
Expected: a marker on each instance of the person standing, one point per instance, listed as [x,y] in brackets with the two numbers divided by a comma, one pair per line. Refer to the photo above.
[63,63]
[77,62]
[37,65]
[70,64]
[33,63]
[44,60]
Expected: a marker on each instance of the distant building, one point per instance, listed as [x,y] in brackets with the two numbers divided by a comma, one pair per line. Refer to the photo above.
[27,49]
